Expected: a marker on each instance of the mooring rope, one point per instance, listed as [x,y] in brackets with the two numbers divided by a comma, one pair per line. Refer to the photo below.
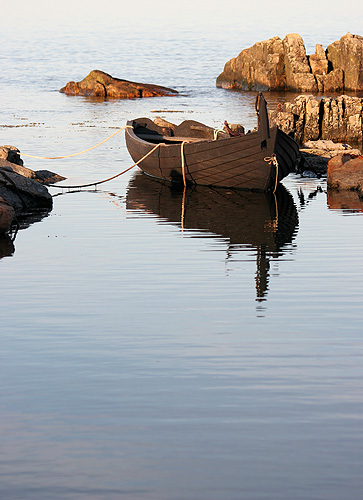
[109,178]
[183,162]
[80,152]
[272,160]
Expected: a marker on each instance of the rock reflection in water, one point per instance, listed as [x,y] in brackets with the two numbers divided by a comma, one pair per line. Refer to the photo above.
[7,247]
[266,222]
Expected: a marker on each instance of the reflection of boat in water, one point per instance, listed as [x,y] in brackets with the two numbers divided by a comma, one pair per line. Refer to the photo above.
[265,222]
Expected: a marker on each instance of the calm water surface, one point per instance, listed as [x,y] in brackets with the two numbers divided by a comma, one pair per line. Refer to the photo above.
[159,346]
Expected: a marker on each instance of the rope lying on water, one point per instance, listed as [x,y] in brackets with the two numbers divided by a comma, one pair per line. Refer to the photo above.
[80,152]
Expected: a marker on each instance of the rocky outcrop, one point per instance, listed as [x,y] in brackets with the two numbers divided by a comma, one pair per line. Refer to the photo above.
[100,84]
[346,172]
[347,55]
[22,188]
[23,194]
[277,64]
[10,159]
[310,118]
[297,69]
[260,67]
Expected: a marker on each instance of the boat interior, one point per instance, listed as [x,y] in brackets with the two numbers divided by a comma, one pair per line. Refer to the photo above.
[187,131]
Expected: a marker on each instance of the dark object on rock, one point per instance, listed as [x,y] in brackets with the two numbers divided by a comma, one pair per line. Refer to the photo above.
[7,214]
[10,159]
[233,129]
[309,118]
[23,194]
[10,154]
[315,155]
[192,153]
[277,64]
[100,84]
[346,172]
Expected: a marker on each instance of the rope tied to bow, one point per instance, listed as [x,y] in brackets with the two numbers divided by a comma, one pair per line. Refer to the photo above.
[272,160]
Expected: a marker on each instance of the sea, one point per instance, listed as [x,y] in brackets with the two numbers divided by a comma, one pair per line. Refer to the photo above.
[157,344]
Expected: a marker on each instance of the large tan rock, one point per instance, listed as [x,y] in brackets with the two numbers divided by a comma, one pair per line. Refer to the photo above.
[260,67]
[346,172]
[297,69]
[346,54]
[342,119]
[277,64]
[311,118]
[100,84]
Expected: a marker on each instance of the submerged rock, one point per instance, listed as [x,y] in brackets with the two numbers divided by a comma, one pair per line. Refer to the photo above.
[277,64]
[100,84]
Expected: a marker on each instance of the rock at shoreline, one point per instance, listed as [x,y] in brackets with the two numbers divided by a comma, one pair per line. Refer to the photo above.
[310,118]
[277,64]
[345,172]
[100,84]
[10,158]
[23,194]
[10,154]
[315,155]
[21,187]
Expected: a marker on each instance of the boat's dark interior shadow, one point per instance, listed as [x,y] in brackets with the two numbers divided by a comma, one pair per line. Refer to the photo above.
[264,222]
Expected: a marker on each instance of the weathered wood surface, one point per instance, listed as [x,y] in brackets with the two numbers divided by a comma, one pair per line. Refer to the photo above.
[235,162]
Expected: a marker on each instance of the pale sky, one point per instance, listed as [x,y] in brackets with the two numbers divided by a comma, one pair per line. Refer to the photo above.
[201,12]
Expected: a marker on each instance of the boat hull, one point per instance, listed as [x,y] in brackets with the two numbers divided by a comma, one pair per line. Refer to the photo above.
[231,162]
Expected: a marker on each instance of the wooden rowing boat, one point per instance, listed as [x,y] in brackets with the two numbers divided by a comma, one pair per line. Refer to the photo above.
[194,153]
